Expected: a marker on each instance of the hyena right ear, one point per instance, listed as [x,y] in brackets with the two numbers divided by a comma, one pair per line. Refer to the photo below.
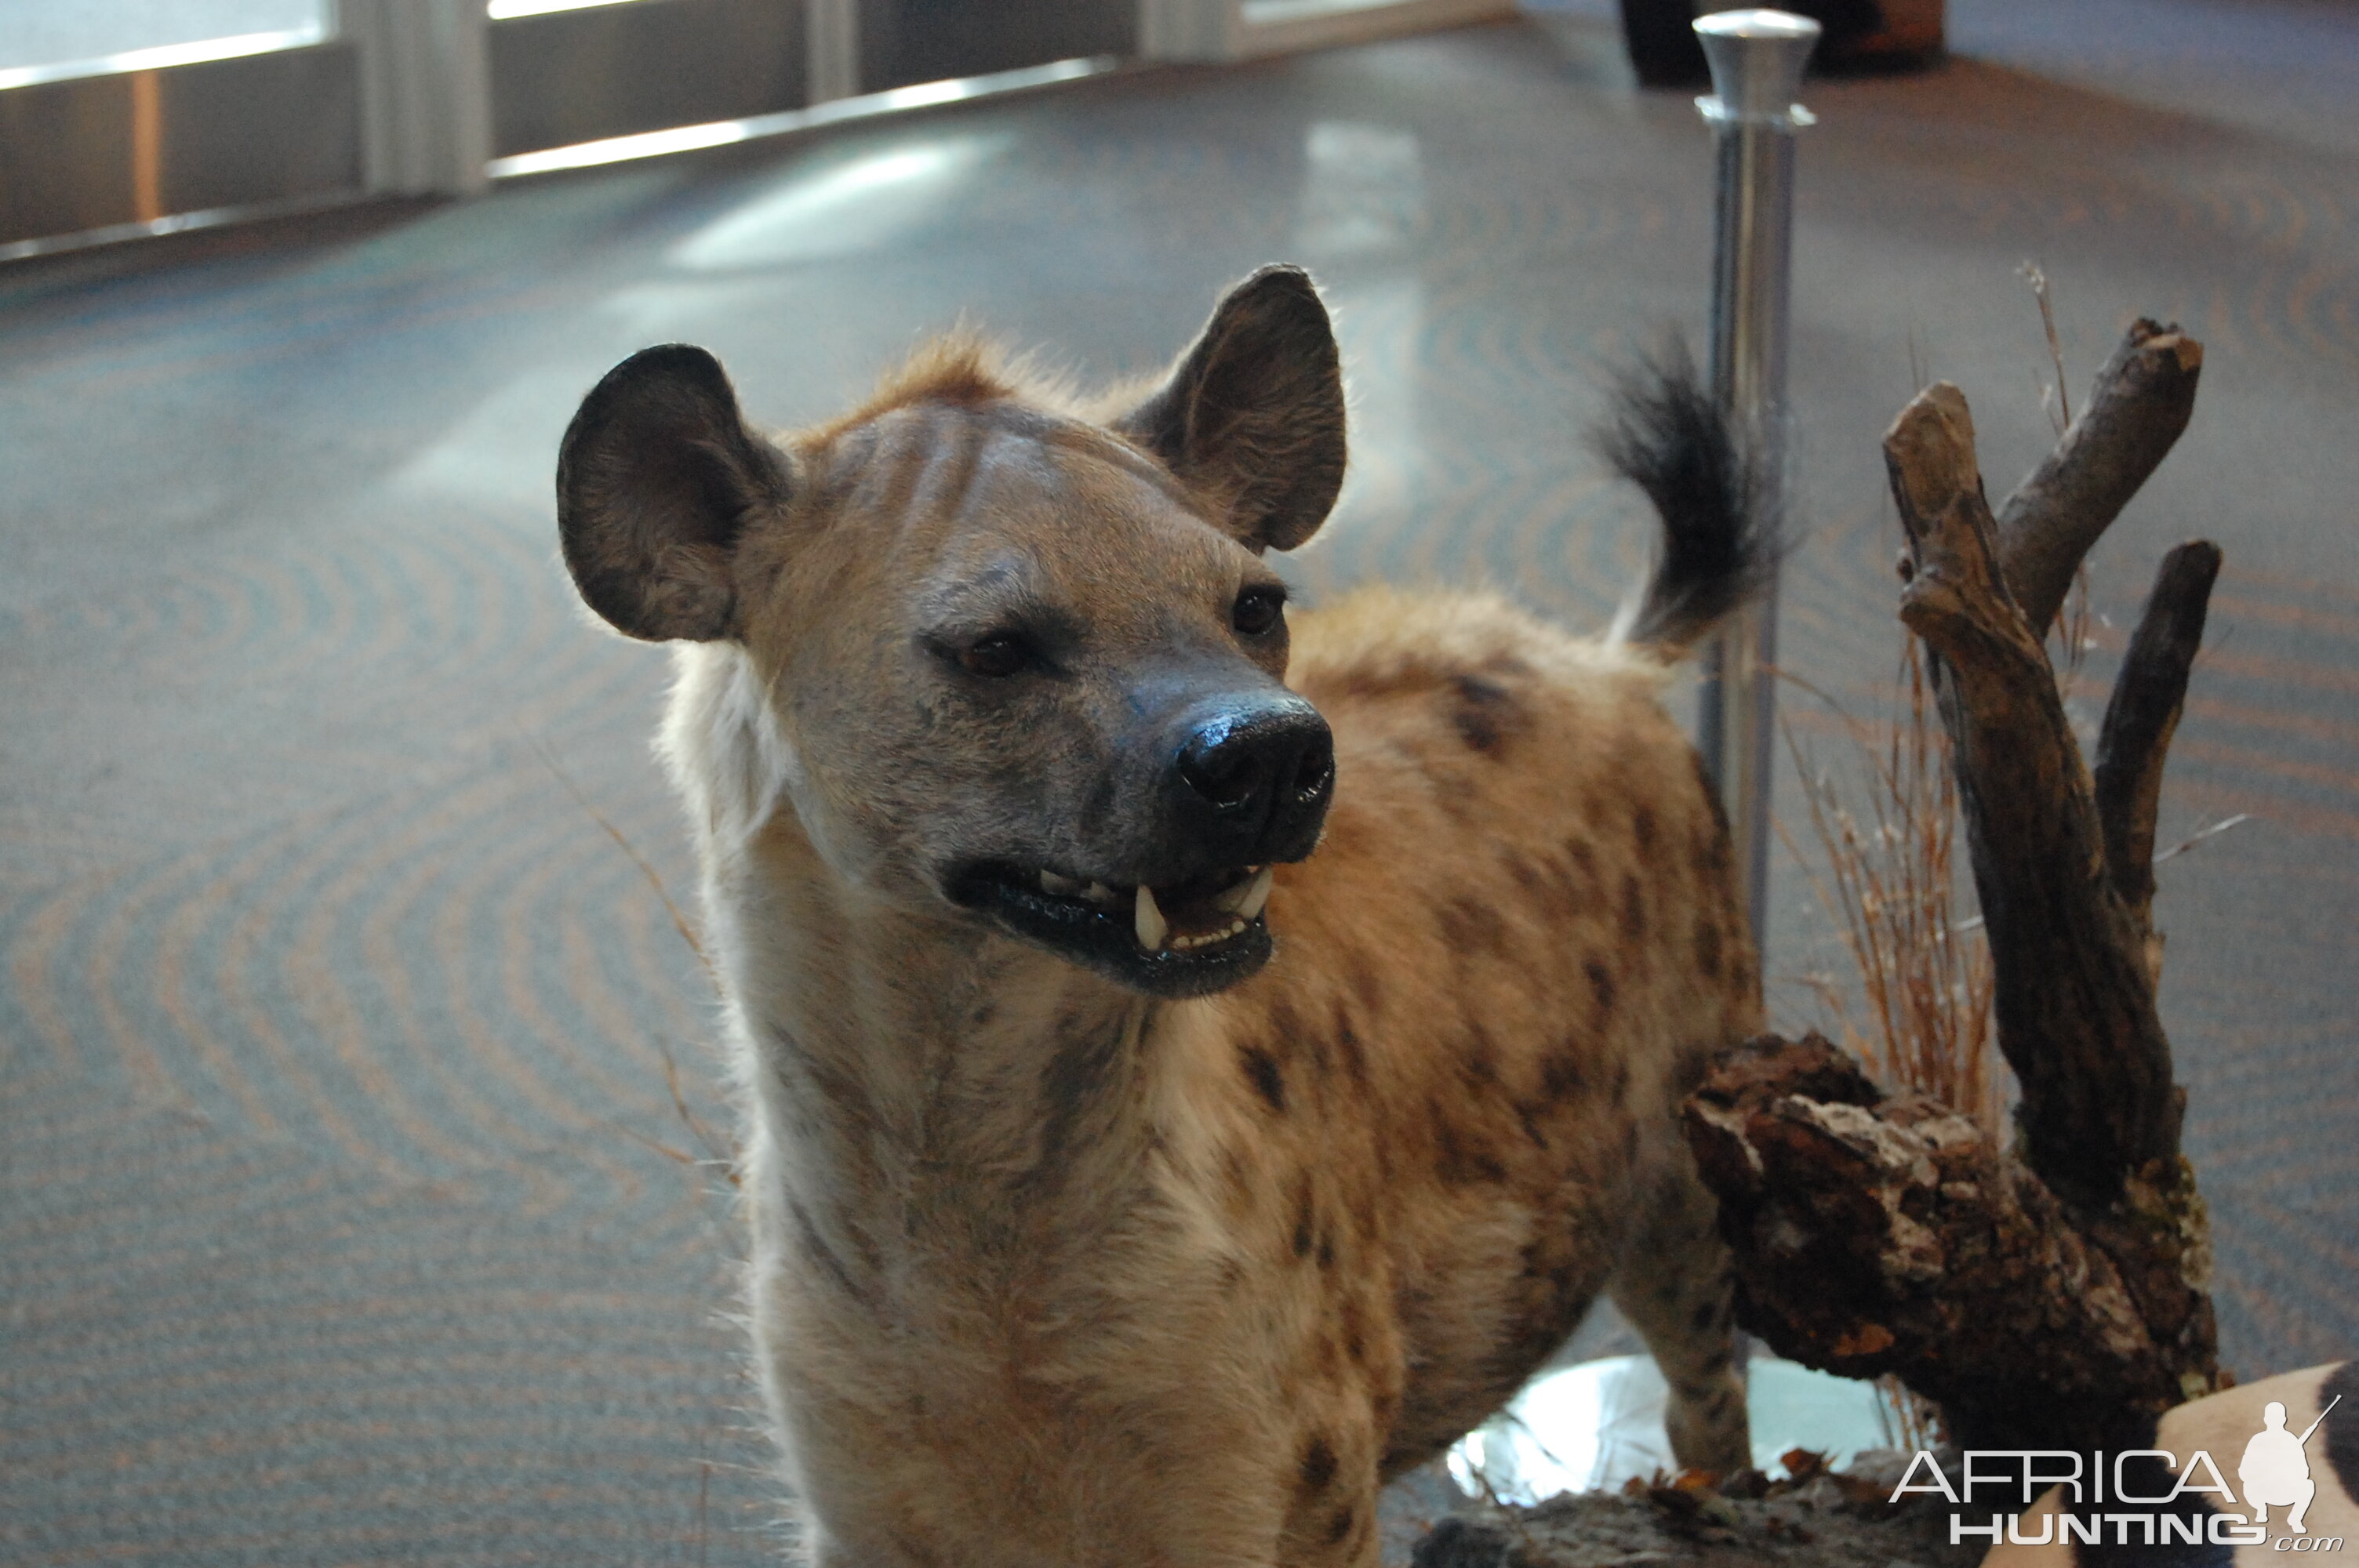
[655,479]
[1253,414]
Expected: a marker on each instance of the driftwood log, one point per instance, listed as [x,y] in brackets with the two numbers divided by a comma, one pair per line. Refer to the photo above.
[2054,1294]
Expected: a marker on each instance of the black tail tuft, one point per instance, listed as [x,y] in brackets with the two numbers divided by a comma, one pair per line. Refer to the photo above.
[1721,543]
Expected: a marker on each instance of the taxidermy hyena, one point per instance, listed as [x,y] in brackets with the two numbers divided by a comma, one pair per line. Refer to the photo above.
[1129,1185]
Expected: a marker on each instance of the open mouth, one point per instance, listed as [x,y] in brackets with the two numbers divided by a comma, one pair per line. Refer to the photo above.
[1182,938]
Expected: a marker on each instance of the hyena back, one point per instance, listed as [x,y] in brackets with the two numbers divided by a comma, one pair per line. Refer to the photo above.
[1129,1185]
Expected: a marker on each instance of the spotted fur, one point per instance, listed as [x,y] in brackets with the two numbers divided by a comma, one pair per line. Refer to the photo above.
[1048,1273]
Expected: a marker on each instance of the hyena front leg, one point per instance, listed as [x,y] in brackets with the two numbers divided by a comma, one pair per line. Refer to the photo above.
[1675,1285]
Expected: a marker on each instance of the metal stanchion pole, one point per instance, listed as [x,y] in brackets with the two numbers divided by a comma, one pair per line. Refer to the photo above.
[1757,59]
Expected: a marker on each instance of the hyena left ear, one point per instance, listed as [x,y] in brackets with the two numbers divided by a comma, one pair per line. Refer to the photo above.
[1253,415]
[656,478]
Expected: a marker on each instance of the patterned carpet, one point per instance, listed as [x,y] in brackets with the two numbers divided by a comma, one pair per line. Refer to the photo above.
[346,1211]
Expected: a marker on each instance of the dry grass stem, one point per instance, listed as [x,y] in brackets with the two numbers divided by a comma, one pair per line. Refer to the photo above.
[1889,883]
[2061,414]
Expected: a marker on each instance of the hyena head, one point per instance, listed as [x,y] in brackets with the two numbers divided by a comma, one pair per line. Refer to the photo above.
[1028,668]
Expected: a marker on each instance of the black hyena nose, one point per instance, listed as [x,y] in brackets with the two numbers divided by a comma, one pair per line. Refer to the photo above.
[1258,776]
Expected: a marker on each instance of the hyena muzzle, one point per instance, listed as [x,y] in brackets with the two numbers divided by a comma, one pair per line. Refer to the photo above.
[1193,1065]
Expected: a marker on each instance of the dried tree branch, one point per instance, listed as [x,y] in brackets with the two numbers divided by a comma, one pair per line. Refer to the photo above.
[2075,1009]
[2148,696]
[2141,401]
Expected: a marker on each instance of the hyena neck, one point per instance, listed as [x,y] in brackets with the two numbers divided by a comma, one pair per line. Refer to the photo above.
[902,1070]
[919,1072]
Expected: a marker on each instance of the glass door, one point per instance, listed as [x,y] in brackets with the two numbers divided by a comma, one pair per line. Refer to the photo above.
[566,72]
[119,114]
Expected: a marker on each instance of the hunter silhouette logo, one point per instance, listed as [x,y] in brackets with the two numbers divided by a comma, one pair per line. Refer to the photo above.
[2138,1496]
[2275,1468]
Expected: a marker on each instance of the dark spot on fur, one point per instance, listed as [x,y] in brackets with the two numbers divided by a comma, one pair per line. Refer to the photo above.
[1560,1073]
[1531,1124]
[1642,826]
[1583,855]
[1347,1043]
[1621,1088]
[1230,1274]
[1479,1063]
[1485,713]
[1344,1520]
[1634,913]
[1471,925]
[1458,1163]
[1303,1217]
[1549,883]
[1326,1250]
[1707,946]
[1316,1468]
[1703,1315]
[1366,984]
[1601,987]
[1262,1070]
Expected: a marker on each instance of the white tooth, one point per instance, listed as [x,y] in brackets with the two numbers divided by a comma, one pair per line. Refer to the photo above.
[1098,893]
[1233,897]
[1061,886]
[1151,926]
[1256,892]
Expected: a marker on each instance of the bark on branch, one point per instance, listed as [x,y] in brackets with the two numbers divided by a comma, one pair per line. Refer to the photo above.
[2140,718]
[1894,1236]
[2140,403]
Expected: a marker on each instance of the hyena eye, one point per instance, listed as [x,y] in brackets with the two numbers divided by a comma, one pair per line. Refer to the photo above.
[1257,609]
[995,657]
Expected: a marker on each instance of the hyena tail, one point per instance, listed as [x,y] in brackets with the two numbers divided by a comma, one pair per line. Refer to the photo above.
[1721,536]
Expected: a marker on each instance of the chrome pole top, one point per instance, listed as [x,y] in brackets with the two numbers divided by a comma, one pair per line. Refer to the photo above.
[1757,59]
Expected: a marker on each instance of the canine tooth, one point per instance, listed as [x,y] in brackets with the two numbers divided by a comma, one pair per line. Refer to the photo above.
[1061,886]
[1233,898]
[1152,927]
[1256,892]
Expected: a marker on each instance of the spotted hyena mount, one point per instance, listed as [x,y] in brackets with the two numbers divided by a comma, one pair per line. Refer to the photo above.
[1129,1185]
